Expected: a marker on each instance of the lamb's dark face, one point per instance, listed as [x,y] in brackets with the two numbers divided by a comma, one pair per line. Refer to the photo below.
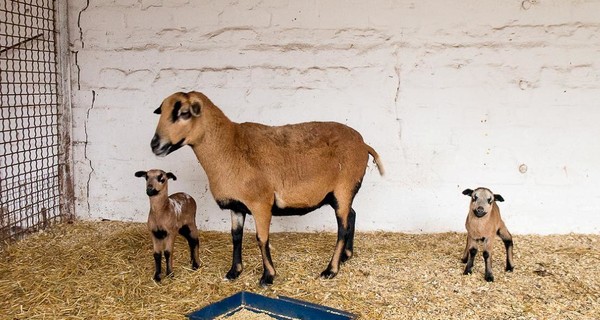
[156,181]
[482,200]
[175,126]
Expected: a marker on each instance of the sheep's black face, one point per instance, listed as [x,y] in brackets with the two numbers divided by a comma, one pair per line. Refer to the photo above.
[175,126]
[482,200]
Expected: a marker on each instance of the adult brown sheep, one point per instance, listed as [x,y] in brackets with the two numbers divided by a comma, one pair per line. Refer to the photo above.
[269,170]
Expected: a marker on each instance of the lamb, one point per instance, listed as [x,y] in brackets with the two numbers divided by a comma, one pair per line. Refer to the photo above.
[483,223]
[168,216]
[269,170]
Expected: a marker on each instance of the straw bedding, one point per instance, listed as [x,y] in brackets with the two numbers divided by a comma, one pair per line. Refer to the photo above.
[103,270]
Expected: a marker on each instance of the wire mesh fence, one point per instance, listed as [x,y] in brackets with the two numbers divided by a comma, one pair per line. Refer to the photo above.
[30,110]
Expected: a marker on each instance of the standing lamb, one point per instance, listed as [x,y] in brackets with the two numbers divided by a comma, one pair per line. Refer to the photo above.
[168,216]
[269,170]
[483,224]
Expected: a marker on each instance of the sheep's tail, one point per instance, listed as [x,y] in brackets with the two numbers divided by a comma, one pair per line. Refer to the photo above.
[376,159]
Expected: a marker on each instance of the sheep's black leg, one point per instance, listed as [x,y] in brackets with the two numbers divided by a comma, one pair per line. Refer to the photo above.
[334,264]
[268,266]
[157,269]
[237,234]
[349,243]
[193,242]
[262,219]
[472,254]
[349,247]
[508,245]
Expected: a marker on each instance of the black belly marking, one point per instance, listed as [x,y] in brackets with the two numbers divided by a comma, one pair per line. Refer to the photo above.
[292,211]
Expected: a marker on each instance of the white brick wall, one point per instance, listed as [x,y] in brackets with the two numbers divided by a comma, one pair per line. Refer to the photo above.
[452,94]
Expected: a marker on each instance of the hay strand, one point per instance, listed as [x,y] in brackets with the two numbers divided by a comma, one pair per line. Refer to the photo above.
[103,270]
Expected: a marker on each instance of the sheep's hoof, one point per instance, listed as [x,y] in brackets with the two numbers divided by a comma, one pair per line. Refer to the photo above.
[346,255]
[266,280]
[195,266]
[464,260]
[489,278]
[232,274]
[509,268]
[467,271]
[157,277]
[328,274]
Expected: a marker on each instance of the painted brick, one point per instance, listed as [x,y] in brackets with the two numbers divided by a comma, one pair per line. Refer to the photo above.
[451,94]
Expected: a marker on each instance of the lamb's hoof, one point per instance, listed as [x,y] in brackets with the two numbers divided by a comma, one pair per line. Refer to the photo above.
[467,272]
[157,277]
[195,266]
[328,274]
[266,280]
[464,260]
[489,278]
[170,275]
[509,268]
[232,274]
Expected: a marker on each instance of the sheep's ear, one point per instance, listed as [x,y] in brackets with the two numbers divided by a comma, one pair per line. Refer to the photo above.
[195,108]
[140,174]
[157,111]
[171,176]
[467,192]
[498,197]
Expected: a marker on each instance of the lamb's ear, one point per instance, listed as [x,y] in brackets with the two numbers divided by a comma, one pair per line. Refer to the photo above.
[171,176]
[157,111]
[498,197]
[467,192]
[140,174]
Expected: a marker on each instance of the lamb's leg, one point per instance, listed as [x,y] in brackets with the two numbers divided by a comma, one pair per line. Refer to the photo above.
[508,244]
[465,256]
[237,234]
[158,246]
[169,253]
[190,233]
[487,257]
[472,253]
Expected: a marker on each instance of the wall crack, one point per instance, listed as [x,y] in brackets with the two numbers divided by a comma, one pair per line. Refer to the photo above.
[76,52]
[85,150]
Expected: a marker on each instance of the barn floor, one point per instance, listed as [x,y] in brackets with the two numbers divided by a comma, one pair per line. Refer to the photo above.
[103,270]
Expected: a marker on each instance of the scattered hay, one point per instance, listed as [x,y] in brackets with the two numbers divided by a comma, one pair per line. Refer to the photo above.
[103,270]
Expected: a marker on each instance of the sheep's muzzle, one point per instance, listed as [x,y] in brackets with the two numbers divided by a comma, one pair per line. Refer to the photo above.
[479,212]
[164,149]
[151,192]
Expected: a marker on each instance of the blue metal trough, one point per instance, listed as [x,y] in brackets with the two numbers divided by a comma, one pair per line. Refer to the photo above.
[279,308]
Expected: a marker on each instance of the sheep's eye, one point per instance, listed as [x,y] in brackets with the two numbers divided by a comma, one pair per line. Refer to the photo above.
[474,198]
[185,115]
[161,179]
[489,200]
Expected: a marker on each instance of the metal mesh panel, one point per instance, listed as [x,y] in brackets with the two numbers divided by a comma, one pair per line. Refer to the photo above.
[30,159]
